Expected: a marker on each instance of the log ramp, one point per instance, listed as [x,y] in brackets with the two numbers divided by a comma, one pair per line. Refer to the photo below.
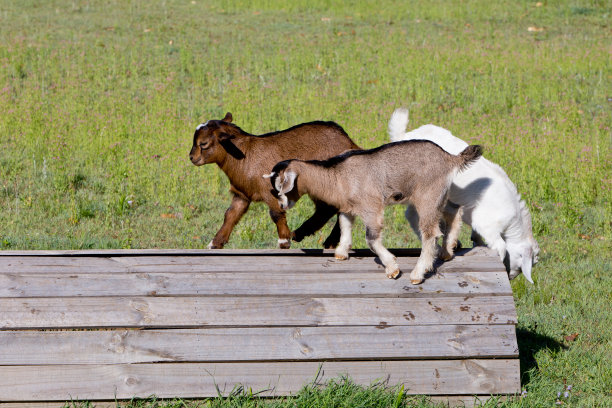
[101,325]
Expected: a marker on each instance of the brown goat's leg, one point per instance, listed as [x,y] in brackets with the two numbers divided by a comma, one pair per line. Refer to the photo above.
[284,233]
[233,214]
[452,220]
[323,212]
[334,236]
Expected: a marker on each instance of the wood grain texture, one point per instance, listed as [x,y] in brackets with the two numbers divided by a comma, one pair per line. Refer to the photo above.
[193,380]
[476,251]
[256,344]
[177,323]
[321,284]
[229,264]
[152,312]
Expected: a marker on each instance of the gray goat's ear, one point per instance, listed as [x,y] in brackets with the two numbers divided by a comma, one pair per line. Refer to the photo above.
[228,118]
[527,263]
[288,182]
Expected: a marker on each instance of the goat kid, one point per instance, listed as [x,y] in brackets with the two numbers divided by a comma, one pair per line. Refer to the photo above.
[488,200]
[362,182]
[243,157]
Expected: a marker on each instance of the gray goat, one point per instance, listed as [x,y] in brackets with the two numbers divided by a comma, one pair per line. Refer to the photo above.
[362,182]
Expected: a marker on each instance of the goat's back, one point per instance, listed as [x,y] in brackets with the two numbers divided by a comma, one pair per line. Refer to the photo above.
[307,141]
[406,166]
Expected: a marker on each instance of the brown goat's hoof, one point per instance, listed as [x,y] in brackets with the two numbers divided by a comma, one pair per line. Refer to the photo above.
[416,281]
[212,245]
[284,244]
[445,256]
[393,274]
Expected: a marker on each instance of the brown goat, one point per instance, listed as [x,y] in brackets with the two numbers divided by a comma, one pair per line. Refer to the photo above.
[363,182]
[244,158]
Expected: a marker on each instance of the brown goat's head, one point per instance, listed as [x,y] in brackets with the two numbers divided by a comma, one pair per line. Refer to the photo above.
[283,180]
[209,137]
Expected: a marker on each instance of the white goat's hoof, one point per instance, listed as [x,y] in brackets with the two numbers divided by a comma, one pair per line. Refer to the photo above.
[416,281]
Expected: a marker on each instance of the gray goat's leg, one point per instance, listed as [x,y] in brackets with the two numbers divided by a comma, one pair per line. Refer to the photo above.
[374,224]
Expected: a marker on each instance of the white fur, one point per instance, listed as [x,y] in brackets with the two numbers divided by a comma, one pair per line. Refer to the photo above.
[201,125]
[490,202]
[282,241]
[346,236]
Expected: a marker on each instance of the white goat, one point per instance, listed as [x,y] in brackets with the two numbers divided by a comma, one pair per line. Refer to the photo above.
[362,182]
[489,201]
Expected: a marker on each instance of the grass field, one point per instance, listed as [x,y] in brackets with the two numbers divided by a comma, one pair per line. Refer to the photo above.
[99,101]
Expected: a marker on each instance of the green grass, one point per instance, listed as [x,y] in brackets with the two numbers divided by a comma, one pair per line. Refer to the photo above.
[99,101]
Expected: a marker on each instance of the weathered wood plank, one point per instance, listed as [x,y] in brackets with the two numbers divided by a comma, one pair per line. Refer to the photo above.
[200,252]
[251,311]
[321,284]
[193,380]
[450,401]
[257,344]
[228,264]
[301,252]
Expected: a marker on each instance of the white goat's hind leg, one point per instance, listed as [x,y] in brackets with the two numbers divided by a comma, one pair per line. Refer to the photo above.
[452,219]
[346,236]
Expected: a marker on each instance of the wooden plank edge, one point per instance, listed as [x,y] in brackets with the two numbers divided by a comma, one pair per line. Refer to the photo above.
[166,312]
[344,343]
[196,380]
[213,284]
[450,401]
[361,252]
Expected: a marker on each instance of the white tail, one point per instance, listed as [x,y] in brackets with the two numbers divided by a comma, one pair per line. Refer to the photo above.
[398,124]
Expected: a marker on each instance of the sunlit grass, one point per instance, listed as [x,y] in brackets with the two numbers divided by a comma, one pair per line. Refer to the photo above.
[99,101]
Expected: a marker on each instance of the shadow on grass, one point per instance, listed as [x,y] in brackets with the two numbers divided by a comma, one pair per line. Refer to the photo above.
[529,344]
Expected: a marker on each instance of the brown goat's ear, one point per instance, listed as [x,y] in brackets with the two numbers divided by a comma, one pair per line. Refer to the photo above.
[225,136]
[228,118]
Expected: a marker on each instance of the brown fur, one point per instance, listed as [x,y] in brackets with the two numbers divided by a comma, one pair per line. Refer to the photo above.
[244,158]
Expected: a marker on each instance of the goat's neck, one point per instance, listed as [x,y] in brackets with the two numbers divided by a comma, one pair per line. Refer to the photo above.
[517,231]
[318,182]
[230,165]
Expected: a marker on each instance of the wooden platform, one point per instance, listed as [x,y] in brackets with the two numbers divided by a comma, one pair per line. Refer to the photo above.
[100,325]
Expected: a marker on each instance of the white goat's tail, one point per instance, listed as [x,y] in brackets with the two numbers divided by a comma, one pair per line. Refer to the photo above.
[398,124]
